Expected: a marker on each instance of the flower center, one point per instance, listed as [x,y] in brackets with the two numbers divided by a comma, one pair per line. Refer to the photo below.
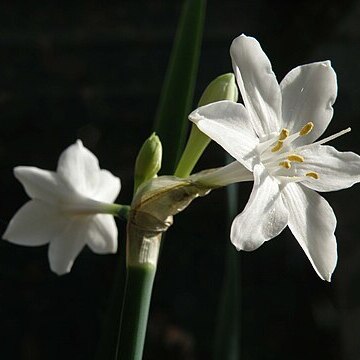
[281,160]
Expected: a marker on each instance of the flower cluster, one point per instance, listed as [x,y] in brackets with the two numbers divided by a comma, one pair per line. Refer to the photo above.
[273,138]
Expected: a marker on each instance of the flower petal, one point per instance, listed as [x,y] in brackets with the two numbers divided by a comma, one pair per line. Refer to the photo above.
[308,93]
[98,231]
[228,124]
[67,245]
[223,176]
[313,222]
[337,170]
[42,184]
[79,168]
[101,234]
[264,216]
[35,224]
[108,188]
[258,85]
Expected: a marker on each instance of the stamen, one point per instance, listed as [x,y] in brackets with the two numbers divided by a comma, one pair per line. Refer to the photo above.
[264,146]
[278,146]
[306,129]
[313,175]
[296,158]
[284,134]
[286,164]
[293,179]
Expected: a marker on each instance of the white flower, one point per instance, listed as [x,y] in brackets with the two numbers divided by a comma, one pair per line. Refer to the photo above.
[68,208]
[272,136]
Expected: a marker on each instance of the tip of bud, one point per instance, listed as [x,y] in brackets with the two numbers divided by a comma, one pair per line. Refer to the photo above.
[148,161]
[222,88]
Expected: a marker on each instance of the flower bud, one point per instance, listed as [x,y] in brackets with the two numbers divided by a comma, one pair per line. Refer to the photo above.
[148,161]
[221,88]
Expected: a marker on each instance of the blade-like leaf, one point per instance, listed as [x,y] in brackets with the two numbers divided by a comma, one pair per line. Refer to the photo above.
[176,98]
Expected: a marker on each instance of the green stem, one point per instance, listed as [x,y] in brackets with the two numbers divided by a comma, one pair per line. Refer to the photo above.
[139,283]
[195,146]
[122,211]
[142,251]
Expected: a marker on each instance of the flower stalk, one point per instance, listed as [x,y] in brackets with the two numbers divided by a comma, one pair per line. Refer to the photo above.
[135,310]
[142,251]
[151,214]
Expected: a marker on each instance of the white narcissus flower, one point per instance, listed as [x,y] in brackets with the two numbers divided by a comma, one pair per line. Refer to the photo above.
[69,208]
[273,137]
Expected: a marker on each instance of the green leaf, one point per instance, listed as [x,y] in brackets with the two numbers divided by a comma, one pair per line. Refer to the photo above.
[227,335]
[176,98]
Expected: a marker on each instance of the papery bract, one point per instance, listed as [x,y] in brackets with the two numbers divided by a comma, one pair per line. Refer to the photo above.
[69,208]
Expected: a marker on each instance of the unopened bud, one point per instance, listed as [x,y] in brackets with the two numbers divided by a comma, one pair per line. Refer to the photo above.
[148,161]
[221,88]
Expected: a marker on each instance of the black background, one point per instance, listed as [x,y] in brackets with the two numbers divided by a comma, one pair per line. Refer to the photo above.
[93,70]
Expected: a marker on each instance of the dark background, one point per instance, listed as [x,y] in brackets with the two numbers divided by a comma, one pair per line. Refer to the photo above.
[93,70]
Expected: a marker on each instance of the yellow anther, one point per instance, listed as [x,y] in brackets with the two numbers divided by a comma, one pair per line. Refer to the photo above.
[295,158]
[278,146]
[286,164]
[284,134]
[306,129]
[313,175]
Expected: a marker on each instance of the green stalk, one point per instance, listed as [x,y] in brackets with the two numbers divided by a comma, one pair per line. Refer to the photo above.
[195,146]
[139,283]
[142,252]
[171,125]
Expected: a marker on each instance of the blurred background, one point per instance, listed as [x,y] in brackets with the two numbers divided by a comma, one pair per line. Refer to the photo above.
[93,70]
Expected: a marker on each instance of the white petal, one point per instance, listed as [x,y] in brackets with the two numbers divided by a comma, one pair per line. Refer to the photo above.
[101,234]
[67,245]
[42,184]
[308,93]
[223,176]
[36,223]
[258,85]
[337,170]
[228,124]
[79,168]
[313,222]
[264,216]
[108,188]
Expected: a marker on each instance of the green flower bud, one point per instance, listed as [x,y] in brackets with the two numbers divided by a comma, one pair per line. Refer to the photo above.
[222,88]
[148,161]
